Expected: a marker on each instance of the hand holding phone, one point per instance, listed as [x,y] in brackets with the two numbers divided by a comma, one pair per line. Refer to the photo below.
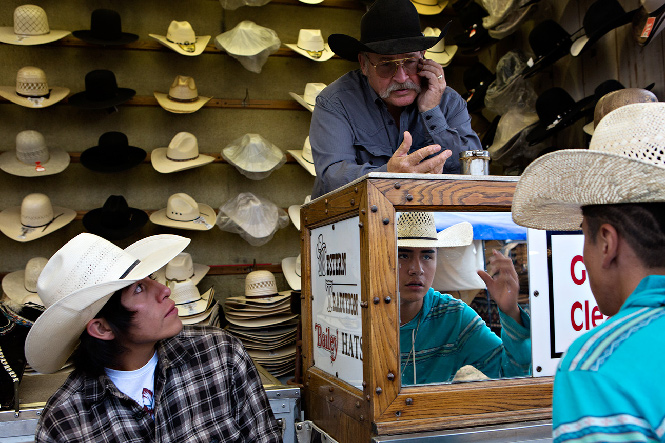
[432,83]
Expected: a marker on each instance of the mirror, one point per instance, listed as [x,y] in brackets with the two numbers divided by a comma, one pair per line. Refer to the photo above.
[451,327]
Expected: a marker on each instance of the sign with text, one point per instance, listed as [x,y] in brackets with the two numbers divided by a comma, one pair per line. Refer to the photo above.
[336,315]
[562,305]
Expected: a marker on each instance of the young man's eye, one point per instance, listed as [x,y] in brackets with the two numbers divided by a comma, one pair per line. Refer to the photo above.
[139,288]
[402,255]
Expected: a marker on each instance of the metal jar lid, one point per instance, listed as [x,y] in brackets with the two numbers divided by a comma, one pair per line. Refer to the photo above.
[469,155]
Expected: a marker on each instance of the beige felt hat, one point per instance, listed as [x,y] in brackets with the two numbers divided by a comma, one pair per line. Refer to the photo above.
[294,212]
[418,230]
[35,218]
[441,53]
[18,285]
[32,90]
[183,96]
[182,153]
[254,156]
[183,212]
[30,28]
[77,282]
[311,45]
[181,38]
[32,158]
[304,157]
[292,268]
[260,284]
[308,99]
[180,269]
[624,164]
[429,7]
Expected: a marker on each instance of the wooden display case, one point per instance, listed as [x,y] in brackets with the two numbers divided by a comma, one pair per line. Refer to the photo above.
[379,405]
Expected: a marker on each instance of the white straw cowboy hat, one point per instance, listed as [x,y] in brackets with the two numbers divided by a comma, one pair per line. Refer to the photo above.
[304,157]
[292,269]
[294,212]
[182,153]
[181,268]
[441,53]
[254,156]
[311,45]
[18,285]
[35,218]
[260,284]
[183,96]
[32,90]
[624,164]
[183,212]
[308,99]
[32,158]
[250,44]
[30,28]
[418,230]
[188,300]
[77,282]
[181,38]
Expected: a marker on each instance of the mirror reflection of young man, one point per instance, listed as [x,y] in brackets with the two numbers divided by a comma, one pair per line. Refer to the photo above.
[440,334]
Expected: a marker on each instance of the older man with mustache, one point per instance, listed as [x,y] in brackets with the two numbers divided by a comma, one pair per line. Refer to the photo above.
[394,114]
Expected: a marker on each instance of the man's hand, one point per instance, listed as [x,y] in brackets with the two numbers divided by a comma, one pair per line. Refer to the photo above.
[503,285]
[401,161]
[433,84]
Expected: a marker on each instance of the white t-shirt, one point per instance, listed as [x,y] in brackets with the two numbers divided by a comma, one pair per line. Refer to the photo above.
[138,385]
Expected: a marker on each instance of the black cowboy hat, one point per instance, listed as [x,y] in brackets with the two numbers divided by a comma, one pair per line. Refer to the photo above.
[601,17]
[112,154]
[474,36]
[101,91]
[388,27]
[549,42]
[115,220]
[477,78]
[105,29]
[556,110]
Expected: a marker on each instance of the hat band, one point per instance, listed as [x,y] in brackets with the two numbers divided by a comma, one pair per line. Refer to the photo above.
[47,95]
[313,54]
[182,100]
[417,238]
[185,46]
[189,302]
[132,266]
[180,281]
[182,159]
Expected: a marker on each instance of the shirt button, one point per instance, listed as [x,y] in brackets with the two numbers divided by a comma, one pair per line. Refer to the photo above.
[433,127]
[427,117]
[138,415]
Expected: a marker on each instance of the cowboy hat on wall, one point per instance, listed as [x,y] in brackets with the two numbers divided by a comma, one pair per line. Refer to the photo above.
[35,218]
[183,96]
[101,91]
[32,157]
[250,44]
[30,28]
[183,212]
[181,38]
[310,44]
[105,30]
[115,220]
[182,153]
[32,89]
[113,153]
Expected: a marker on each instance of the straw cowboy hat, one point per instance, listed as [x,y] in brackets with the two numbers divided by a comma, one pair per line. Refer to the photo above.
[115,220]
[112,154]
[32,158]
[35,218]
[32,90]
[624,164]
[181,268]
[105,29]
[510,126]
[304,156]
[308,99]
[101,91]
[250,44]
[78,281]
[183,97]
[30,28]
[601,17]
[18,285]
[311,45]
[188,300]
[182,153]
[418,230]
[254,156]
[388,27]
[183,212]
[181,38]
[260,284]
[440,53]
[294,212]
[292,269]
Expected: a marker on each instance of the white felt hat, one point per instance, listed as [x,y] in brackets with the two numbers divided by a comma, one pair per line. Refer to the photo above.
[304,157]
[183,212]
[181,38]
[182,153]
[311,45]
[308,99]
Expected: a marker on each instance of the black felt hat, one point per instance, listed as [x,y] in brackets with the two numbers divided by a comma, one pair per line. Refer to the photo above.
[105,29]
[556,110]
[474,36]
[549,42]
[476,81]
[112,154]
[601,17]
[388,27]
[101,91]
[115,220]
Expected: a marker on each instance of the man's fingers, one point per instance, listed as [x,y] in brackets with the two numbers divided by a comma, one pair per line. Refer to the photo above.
[405,146]
[433,165]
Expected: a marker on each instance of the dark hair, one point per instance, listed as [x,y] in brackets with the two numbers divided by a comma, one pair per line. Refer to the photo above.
[642,225]
[93,354]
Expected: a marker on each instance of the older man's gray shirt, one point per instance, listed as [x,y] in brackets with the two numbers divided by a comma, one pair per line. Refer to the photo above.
[352,133]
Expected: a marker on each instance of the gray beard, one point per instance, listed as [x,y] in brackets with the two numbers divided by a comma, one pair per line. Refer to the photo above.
[397,86]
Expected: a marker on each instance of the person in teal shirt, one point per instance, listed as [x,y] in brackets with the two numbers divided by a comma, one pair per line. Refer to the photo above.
[440,334]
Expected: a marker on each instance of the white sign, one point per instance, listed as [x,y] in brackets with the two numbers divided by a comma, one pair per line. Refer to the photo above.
[562,305]
[336,315]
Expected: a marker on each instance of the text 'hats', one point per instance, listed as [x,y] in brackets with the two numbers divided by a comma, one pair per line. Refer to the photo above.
[183,212]
[32,90]
[105,29]
[35,218]
[601,17]
[292,268]
[308,99]
[304,156]
[77,282]
[101,91]
[648,21]
[260,284]
[30,28]
[311,45]
[440,53]
[18,285]
[181,38]
[115,220]
[616,99]
[549,42]
[250,44]
[32,158]
[182,153]
[254,218]
[181,268]
[556,110]
[418,230]
[388,27]
[477,78]
[254,156]
[430,7]
[112,154]
[624,164]
[294,212]
[183,96]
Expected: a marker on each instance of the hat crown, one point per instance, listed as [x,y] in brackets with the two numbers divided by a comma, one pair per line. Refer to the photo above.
[30,20]
[36,210]
[105,24]
[31,81]
[547,36]
[100,85]
[477,75]
[621,97]
[183,146]
[33,269]
[182,207]
[553,103]
[184,292]
[113,143]
[181,33]
[312,90]
[600,15]
[254,153]
[180,268]
[31,147]
[389,20]
[307,151]
[260,283]
[183,88]
[115,212]
[310,40]
[435,32]
[416,225]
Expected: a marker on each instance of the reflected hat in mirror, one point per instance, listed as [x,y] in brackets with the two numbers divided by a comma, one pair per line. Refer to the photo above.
[183,96]
[311,45]
[32,157]
[304,156]
[418,230]
[182,153]
[308,99]
[254,156]
[260,284]
[112,154]
[624,164]
[549,42]
[30,28]
[32,89]
[181,38]
[18,285]
[105,29]
[101,91]
[183,212]
[498,11]
[181,268]
[115,220]
[35,218]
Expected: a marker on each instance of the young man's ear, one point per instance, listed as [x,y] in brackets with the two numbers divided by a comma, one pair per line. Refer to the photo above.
[609,238]
[99,328]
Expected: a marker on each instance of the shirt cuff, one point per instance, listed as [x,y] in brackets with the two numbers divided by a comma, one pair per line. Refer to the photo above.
[514,329]
[434,120]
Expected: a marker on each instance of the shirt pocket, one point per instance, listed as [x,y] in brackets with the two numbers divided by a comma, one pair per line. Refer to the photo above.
[372,153]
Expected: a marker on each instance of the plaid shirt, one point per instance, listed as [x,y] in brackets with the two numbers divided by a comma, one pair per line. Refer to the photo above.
[206,390]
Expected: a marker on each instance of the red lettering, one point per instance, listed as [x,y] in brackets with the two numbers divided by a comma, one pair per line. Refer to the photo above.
[596,315]
[576,305]
[577,259]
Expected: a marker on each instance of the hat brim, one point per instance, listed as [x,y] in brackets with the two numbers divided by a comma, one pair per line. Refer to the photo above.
[56,94]
[443,58]
[200,271]
[55,334]
[180,107]
[208,214]
[294,215]
[80,100]
[544,130]
[460,234]
[513,21]
[589,128]
[497,146]
[430,9]
[289,270]
[162,164]
[95,158]
[8,36]
[93,222]
[301,99]
[554,187]
[196,307]
[58,161]
[13,285]
[199,45]
[297,154]
[547,59]
[585,41]
[262,321]
[10,223]
[325,55]
[89,37]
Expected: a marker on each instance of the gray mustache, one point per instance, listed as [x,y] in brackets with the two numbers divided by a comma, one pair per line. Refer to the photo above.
[397,86]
